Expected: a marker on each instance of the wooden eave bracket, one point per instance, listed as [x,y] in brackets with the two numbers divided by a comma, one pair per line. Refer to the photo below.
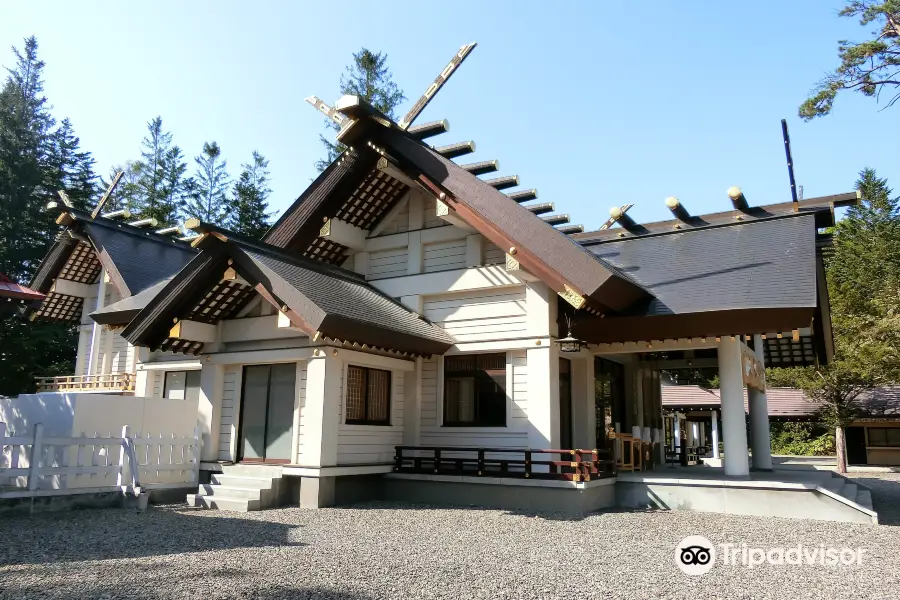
[194,331]
[514,268]
[341,232]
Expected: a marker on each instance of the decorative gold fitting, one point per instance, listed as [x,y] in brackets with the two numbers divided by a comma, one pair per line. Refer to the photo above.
[479,473]
[512,250]
[284,308]
[442,196]
[230,261]
[526,475]
[334,352]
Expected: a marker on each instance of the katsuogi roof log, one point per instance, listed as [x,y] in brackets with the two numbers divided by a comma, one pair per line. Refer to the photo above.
[581,278]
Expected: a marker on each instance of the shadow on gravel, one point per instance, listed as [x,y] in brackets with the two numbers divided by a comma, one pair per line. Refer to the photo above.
[164,592]
[49,538]
[885,497]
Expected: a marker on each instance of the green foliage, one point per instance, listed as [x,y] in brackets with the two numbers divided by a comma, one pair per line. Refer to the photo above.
[208,202]
[801,439]
[249,213]
[37,158]
[869,67]
[367,77]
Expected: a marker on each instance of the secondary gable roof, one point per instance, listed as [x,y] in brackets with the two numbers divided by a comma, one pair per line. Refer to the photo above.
[321,300]
[135,258]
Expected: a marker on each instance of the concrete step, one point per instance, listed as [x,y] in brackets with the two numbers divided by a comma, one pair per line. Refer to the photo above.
[248,470]
[241,481]
[849,491]
[833,484]
[864,498]
[223,503]
[229,491]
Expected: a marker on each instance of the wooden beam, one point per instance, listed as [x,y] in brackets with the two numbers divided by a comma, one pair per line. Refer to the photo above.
[556,219]
[502,183]
[151,222]
[523,195]
[738,200]
[569,229]
[326,110]
[430,129]
[483,167]
[344,233]
[438,83]
[610,221]
[66,287]
[118,214]
[443,210]
[514,268]
[65,198]
[107,194]
[455,150]
[541,209]
[394,171]
[194,331]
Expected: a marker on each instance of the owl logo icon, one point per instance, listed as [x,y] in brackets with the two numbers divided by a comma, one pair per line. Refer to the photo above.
[695,555]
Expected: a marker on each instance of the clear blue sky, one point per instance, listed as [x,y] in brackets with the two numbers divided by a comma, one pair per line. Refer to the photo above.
[592,104]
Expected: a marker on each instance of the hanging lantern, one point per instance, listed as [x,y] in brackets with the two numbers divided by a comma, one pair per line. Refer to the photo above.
[570,343]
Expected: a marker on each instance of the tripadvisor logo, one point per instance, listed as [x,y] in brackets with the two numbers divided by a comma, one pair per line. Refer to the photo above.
[696,555]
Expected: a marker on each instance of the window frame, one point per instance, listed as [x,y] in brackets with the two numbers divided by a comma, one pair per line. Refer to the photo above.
[390,397]
[187,375]
[871,444]
[505,389]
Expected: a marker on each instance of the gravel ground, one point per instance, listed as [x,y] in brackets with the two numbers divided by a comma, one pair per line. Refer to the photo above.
[394,551]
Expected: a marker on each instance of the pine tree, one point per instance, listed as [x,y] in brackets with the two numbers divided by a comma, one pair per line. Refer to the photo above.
[208,196]
[367,77]
[249,214]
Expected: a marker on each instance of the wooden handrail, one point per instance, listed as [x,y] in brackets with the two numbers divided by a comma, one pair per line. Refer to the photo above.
[123,382]
[573,464]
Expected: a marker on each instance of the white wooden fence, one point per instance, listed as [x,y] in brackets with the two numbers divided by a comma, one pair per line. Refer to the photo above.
[39,465]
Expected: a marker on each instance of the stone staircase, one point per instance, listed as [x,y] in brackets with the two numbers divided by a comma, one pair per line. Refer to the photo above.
[847,489]
[240,488]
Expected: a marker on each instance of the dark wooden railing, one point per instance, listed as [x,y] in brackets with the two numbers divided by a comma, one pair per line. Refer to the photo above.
[572,465]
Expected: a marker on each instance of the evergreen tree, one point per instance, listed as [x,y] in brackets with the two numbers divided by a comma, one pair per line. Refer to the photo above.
[25,138]
[249,214]
[864,284]
[127,193]
[208,196]
[870,67]
[175,188]
[69,169]
[367,77]
[36,160]
[159,189]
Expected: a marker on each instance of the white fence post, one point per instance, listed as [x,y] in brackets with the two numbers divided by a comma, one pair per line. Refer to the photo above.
[195,474]
[122,478]
[2,445]
[34,462]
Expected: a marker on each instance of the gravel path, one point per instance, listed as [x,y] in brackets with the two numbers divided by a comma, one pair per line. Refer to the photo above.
[392,551]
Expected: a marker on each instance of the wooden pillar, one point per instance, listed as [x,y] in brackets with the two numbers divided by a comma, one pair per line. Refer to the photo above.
[209,409]
[731,389]
[323,386]
[412,405]
[757,404]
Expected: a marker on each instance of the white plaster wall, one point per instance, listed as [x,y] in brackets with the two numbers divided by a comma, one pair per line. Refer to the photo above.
[230,406]
[103,415]
[480,315]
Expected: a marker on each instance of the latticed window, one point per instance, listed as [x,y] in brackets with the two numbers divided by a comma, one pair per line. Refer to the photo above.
[475,390]
[368,396]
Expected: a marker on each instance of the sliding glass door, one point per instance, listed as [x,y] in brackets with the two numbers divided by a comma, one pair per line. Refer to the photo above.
[267,413]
